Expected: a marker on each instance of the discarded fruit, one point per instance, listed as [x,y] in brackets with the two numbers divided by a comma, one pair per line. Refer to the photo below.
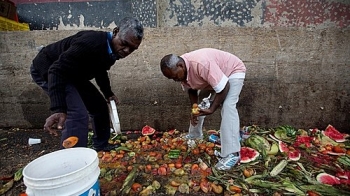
[174,183]
[217,188]
[339,149]
[70,142]
[136,187]
[334,134]
[248,154]
[147,130]
[162,171]
[195,109]
[325,178]
[248,172]
[205,187]
[283,147]
[294,155]
[234,189]
[274,149]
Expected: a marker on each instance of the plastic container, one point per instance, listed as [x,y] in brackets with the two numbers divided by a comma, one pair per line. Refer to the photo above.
[11,25]
[8,10]
[68,172]
[114,117]
[32,141]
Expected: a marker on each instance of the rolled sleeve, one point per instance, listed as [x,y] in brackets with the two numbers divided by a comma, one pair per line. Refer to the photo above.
[221,85]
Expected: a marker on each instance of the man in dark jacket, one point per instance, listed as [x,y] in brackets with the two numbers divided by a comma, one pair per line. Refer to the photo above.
[64,70]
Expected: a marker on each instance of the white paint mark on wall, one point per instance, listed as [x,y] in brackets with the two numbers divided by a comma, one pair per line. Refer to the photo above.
[62,26]
[81,21]
[196,4]
[112,25]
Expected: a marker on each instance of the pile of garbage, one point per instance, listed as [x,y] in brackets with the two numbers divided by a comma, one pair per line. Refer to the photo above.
[274,161]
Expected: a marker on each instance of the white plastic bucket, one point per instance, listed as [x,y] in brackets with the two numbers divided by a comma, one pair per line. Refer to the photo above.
[68,172]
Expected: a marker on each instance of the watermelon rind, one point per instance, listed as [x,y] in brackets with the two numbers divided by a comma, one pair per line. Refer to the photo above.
[324,140]
[248,159]
[274,149]
[325,178]
[335,153]
[258,142]
[285,133]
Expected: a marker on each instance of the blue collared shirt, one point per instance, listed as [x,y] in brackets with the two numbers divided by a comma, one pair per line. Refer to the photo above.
[109,40]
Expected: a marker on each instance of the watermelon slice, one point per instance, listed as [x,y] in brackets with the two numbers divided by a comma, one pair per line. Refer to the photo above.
[147,130]
[334,134]
[303,141]
[294,155]
[283,147]
[172,132]
[248,154]
[325,178]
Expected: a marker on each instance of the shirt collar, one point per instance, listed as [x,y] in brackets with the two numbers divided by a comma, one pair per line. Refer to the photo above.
[187,67]
[110,52]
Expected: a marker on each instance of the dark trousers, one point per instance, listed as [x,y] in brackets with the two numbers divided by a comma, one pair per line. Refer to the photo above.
[83,101]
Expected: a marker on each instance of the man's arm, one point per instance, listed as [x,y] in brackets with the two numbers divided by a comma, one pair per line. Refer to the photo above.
[193,95]
[102,80]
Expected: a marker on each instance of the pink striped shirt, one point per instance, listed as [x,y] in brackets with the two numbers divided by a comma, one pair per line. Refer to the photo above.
[210,68]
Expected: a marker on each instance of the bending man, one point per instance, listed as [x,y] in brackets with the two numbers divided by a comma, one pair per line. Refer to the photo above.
[222,72]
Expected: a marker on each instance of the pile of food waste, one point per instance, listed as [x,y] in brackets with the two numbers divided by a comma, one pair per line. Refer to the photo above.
[274,161]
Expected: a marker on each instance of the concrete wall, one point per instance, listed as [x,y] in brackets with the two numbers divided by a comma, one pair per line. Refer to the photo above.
[296,52]
[296,76]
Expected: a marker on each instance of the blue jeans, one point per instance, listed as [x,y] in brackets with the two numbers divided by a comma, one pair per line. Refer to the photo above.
[84,101]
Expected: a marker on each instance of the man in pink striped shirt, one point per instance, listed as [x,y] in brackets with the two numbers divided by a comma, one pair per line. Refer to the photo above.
[222,73]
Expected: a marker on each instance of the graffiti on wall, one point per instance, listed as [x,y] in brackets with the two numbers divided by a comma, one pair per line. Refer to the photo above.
[82,14]
[71,14]
[303,13]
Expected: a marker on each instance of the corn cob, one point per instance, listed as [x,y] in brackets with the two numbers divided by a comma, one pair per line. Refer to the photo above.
[278,168]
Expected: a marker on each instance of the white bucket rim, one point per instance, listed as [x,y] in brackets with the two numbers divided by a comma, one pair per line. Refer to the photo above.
[56,152]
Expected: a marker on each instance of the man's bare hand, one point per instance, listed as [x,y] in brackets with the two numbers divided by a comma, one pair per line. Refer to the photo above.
[202,112]
[57,119]
[194,119]
[115,98]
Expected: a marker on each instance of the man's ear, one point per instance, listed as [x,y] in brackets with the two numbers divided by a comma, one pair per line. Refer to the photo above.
[115,31]
[180,64]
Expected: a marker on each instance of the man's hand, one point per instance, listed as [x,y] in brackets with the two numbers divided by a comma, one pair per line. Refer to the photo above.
[202,112]
[114,98]
[55,119]
[194,119]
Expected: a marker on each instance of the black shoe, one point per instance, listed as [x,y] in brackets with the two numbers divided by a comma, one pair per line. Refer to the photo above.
[107,148]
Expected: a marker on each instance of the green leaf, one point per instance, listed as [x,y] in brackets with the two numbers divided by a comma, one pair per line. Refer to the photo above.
[18,175]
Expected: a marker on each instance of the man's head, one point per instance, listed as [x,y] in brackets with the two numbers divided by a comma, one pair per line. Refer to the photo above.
[173,67]
[127,37]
